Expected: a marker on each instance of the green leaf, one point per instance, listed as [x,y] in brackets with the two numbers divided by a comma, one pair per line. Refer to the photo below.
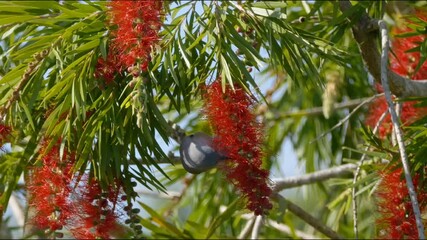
[14,19]
[183,52]
[269,4]
[170,65]
[369,153]
[226,71]
[227,214]
[341,197]
[28,114]
[86,47]
[162,222]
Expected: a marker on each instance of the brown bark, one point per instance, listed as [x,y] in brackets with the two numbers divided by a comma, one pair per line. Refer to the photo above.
[366,34]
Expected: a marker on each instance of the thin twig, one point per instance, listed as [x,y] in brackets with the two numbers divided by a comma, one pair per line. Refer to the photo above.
[308,218]
[318,110]
[280,184]
[356,175]
[257,227]
[272,223]
[398,108]
[244,233]
[396,125]
[368,100]
[286,229]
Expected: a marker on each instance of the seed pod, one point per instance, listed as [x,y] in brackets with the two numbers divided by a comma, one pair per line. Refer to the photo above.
[26,76]
[59,234]
[38,57]
[28,71]
[135,220]
[44,53]
[31,65]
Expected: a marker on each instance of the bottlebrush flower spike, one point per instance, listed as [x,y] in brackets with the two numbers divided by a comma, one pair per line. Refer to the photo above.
[4,133]
[107,68]
[49,189]
[402,63]
[397,219]
[239,136]
[97,210]
[62,199]
[409,115]
[138,23]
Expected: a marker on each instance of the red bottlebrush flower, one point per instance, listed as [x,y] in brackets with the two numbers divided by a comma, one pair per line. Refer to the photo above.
[239,137]
[96,213]
[61,199]
[49,188]
[138,23]
[402,63]
[4,133]
[409,115]
[107,68]
[397,219]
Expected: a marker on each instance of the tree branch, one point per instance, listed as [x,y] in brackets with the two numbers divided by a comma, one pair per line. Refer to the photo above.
[397,129]
[365,34]
[272,223]
[286,229]
[342,121]
[308,218]
[257,227]
[291,182]
[247,228]
[319,110]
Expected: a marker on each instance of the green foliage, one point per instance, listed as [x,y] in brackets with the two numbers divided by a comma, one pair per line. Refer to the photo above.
[48,54]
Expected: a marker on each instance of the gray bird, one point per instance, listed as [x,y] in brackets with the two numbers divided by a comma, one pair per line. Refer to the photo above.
[197,154]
